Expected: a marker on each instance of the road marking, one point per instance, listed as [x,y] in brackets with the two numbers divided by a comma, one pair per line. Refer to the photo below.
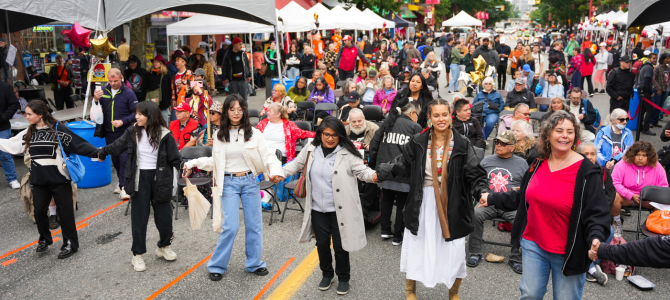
[274,278]
[295,280]
[8,262]
[167,286]
[10,252]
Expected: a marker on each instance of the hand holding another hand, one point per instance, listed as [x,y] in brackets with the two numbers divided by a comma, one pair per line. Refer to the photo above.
[483,201]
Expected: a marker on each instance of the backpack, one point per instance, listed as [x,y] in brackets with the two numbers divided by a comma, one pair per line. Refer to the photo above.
[610,59]
[477,111]
[636,67]
[597,123]
[446,55]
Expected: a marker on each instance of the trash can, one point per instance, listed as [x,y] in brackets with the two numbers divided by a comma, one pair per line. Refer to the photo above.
[632,109]
[97,173]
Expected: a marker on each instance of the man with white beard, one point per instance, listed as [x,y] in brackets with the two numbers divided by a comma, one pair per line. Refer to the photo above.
[360,130]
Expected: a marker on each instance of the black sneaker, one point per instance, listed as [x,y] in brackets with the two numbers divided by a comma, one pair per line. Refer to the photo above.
[590,277]
[261,272]
[397,241]
[53,222]
[42,246]
[67,252]
[603,92]
[342,288]
[648,132]
[387,234]
[215,276]
[625,212]
[325,283]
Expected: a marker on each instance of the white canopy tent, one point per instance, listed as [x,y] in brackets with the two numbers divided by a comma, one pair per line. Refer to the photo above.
[366,21]
[350,21]
[377,21]
[295,18]
[201,24]
[462,19]
[327,19]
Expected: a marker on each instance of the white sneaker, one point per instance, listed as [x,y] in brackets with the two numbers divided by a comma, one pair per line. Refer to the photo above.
[138,263]
[618,228]
[15,184]
[166,253]
[123,195]
[117,189]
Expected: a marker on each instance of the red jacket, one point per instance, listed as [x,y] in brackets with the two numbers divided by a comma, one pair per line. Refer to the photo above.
[291,136]
[183,136]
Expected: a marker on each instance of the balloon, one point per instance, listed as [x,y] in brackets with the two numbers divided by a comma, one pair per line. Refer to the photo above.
[101,47]
[78,36]
[480,68]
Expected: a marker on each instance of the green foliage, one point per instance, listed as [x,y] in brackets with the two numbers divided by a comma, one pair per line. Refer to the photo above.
[378,6]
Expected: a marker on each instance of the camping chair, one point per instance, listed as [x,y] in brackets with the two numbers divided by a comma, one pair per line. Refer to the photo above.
[654,194]
[266,186]
[191,153]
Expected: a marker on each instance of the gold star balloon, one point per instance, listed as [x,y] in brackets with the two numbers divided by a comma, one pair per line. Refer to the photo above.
[101,47]
[480,68]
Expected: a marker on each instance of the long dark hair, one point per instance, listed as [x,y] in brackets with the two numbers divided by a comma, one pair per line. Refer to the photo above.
[324,83]
[336,125]
[154,125]
[588,56]
[224,124]
[198,63]
[424,97]
[300,91]
[40,108]
[394,114]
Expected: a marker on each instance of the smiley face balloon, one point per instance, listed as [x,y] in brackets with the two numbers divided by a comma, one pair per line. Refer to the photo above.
[102,47]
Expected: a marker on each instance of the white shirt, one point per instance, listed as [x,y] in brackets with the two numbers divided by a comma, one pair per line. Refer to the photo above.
[234,158]
[538,66]
[114,92]
[274,136]
[146,154]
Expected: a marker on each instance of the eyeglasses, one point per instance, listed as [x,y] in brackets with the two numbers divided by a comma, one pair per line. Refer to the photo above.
[622,120]
[329,136]
[238,111]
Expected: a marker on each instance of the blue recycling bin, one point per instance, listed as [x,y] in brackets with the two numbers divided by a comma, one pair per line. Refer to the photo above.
[632,109]
[97,173]
[288,82]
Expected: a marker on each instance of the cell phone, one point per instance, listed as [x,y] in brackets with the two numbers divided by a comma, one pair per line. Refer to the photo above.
[196,83]
[98,87]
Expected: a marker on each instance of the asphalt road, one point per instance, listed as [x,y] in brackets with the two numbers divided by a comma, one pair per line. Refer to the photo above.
[102,269]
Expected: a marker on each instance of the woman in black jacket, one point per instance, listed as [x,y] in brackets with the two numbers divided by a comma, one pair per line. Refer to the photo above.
[152,155]
[418,91]
[307,61]
[562,212]
[158,87]
[466,125]
[386,145]
[445,176]
[272,67]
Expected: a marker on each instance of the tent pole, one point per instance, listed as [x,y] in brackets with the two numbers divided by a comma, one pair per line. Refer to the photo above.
[278,47]
[10,73]
[251,46]
[90,67]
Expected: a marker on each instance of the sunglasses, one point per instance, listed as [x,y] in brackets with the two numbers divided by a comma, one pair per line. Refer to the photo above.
[501,143]
[623,119]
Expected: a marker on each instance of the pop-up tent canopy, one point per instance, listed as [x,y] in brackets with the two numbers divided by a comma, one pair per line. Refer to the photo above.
[208,24]
[351,20]
[462,19]
[295,18]
[377,21]
[399,22]
[647,12]
[327,20]
[114,13]
[18,21]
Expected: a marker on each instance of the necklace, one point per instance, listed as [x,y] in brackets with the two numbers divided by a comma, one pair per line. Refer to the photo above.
[559,166]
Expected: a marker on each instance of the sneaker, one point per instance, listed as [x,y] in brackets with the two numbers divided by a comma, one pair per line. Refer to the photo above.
[603,92]
[591,95]
[342,288]
[117,190]
[397,241]
[387,234]
[53,222]
[166,253]
[15,184]
[625,212]
[600,276]
[325,283]
[590,277]
[123,195]
[618,228]
[648,132]
[138,263]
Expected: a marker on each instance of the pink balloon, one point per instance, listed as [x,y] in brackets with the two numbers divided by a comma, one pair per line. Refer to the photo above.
[78,36]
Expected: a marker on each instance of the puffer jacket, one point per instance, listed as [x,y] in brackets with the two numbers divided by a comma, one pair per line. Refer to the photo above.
[466,180]
[525,96]
[168,158]
[386,146]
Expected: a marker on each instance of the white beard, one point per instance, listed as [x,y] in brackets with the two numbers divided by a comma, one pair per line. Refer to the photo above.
[358,131]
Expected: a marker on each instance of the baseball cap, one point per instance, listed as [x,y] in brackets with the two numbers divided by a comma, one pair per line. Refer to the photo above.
[407,70]
[625,58]
[507,137]
[199,72]
[526,68]
[353,97]
[502,40]
[183,107]
[415,60]
[59,56]
[647,52]
[3,40]
[520,81]
[347,38]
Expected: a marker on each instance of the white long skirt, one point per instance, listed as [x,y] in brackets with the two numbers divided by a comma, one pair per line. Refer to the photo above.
[426,257]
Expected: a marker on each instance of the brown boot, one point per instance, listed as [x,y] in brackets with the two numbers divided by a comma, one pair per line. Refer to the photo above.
[453,291]
[410,289]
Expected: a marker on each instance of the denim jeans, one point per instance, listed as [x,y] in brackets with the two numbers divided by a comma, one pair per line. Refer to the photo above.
[537,265]
[658,100]
[6,159]
[609,239]
[455,72]
[166,116]
[235,189]
[490,121]
[293,73]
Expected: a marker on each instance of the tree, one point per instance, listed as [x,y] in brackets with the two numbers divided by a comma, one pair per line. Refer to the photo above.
[138,37]
[383,6]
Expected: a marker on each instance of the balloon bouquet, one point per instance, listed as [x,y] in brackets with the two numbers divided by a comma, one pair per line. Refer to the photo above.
[473,80]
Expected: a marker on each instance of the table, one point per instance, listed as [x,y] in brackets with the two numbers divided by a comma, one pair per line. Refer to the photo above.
[60,115]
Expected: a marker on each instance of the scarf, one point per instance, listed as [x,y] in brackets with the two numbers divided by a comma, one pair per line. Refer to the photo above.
[441,192]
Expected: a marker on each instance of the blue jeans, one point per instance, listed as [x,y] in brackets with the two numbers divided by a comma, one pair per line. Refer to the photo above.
[293,73]
[234,189]
[173,116]
[658,100]
[609,239]
[166,116]
[537,265]
[7,159]
[455,72]
[490,121]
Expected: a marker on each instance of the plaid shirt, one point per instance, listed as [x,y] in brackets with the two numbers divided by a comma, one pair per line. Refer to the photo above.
[659,79]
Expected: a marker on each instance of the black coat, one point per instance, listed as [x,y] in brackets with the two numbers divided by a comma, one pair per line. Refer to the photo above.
[590,218]
[472,130]
[529,155]
[307,63]
[386,146]
[9,104]
[227,66]
[140,83]
[525,96]
[620,83]
[651,252]
[589,116]
[156,80]
[168,158]
[466,181]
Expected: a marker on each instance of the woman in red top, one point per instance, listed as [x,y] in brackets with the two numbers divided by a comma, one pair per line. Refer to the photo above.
[587,69]
[562,211]
[288,135]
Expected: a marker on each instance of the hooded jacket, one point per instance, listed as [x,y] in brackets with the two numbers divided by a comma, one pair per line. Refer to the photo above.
[168,158]
[629,179]
[525,96]
[138,81]
[620,84]
[489,54]
[493,97]
[590,218]
[227,65]
[472,130]
[466,180]
[604,144]
[386,146]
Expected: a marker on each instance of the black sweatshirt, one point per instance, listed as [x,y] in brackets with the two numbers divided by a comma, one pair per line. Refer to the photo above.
[9,104]
[653,252]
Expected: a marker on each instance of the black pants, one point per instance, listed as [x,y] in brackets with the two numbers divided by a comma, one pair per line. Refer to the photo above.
[344,75]
[139,214]
[325,226]
[502,76]
[268,86]
[388,196]
[62,98]
[623,104]
[589,82]
[62,195]
[647,113]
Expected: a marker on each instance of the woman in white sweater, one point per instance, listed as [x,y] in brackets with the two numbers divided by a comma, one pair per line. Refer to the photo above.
[240,154]
[601,67]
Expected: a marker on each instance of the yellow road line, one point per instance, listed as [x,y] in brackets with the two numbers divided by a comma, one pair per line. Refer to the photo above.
[294,281]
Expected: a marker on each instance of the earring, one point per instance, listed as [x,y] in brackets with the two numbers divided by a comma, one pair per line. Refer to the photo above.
[547,145]
[573,147]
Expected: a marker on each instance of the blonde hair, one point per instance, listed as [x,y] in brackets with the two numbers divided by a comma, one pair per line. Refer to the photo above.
[282,90]
[525,127]
[279,108]
[162,70]
[529,57]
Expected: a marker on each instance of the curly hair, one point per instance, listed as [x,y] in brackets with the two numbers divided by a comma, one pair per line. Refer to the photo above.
[641,146]
[544,150]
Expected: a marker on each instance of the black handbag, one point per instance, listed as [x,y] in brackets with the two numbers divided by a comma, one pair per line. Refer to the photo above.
[492,105]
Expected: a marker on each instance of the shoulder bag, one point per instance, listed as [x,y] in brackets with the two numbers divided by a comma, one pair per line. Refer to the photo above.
[301,186]
[71,163]
[492,105]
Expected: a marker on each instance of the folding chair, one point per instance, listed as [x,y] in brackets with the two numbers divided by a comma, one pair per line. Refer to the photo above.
[290,187]
[503,93]
[307,126]
[255,113]
[542,101]
[535,117]
[339,84]
[654,194]
[191,153]
[266,186]
[305,106]
[373,113]
[496,243]
[324,107]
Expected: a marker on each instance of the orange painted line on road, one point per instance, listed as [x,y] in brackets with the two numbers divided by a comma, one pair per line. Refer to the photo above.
[97,213]
[167,286]
[274,278]
[8,262]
